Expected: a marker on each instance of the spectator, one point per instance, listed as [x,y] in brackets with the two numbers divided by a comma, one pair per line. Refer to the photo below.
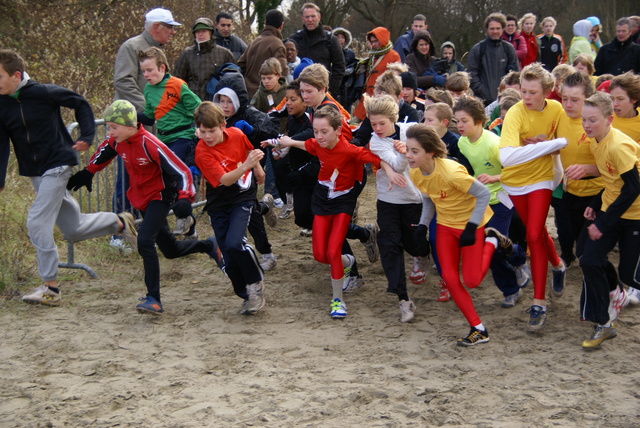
[512,36]
[345,97]
[527,24]
[620,54]
[580,43]
[594,35]
[197,64]
[320,46]
[421,61]
[224,38]
[552,49]
[403,44]
[267,45]
[635,28]
[491,59]
[375,64]
[293,60]
[448,53]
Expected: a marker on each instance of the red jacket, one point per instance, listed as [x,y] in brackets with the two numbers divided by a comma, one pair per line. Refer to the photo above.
[383,36]
[155,172]
[532,49]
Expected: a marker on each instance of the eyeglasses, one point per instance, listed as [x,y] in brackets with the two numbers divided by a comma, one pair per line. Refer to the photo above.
[169,26]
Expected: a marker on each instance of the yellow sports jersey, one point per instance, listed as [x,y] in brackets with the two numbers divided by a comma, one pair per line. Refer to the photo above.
[630,126]
[577,152]
[447,187]
[520,123]
[617,153]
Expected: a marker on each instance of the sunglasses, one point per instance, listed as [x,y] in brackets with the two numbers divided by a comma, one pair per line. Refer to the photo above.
[169,26]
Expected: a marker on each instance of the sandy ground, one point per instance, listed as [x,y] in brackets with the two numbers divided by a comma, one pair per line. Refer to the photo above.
[94,361]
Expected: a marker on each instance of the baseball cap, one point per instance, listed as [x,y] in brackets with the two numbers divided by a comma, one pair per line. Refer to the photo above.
[160,15]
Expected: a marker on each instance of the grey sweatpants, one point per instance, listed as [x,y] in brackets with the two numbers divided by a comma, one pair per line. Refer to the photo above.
[55,205]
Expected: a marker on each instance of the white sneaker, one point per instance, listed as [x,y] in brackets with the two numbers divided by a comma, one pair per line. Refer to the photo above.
[307,233]
[417,275]
[407,310]
[338,309]
[633,295]
[119,244]
[523,274]
[42,295]
[256,299]
[617,301]
[352,283]
[183,225]
[268,262]
[286,210]
[279,203]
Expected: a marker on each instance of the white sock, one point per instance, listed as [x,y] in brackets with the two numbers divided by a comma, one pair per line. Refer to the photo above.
[492,240]
[347,260]
[336,287]
[480,327]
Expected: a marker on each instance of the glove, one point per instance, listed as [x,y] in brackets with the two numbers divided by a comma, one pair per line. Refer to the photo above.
[468,236]
[194,171]
[244,126]
[182,208]
[420,235]
[439,80]
[81,179]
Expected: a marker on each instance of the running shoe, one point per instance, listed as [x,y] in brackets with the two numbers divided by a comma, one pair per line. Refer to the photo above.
[268,262]
[503,241]
[407,310]
[537,317]
[511,300]
[149,305]
[444,295]
[129,232]
[523,274]
[43,295]
[618,299]
[474,337]
[371,244]
[183,225]
[270,216]
[256,300]
[352,283]
[417,275]
[634,295]
[600,334]
[338,309]
[558,281]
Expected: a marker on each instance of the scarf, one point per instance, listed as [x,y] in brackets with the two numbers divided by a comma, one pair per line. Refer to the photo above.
[370,63]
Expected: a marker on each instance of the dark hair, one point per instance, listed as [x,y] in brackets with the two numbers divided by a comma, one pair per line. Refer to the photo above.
[511,17]
[426,136]
[285,41]
[496,17]
[473,107]
[578,79]
[426,36]
[11,62]
[294,85]
[223,15]
[274,18]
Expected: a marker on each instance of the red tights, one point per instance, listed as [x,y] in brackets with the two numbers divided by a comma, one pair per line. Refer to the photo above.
[329,232]
[475,264]
[533,209]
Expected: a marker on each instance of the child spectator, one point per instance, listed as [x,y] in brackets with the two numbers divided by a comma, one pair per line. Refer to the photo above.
[410,93]
[272,86]
[528,177]
[169,104]
[398,208]
[291,53]
[462,215]
[231,96]
[231,168]
[480,148]
[158,179]
[30,118]
[346,96]
[552,48]
[335,195]
[448,52]
[616,220]
[458,84]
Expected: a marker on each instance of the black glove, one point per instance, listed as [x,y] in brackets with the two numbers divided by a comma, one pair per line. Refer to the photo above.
[80,179]
[468,236]
[182,208]
[420,235]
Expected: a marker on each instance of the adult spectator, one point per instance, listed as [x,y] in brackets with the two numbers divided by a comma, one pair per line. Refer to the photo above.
[350,62]
[594,36]
[267,45]
[375,64]
[317,44]
[491,59]
[197,64]
[403,44]
[421,61]
[159,28]
[527,24]
[224,38]
[552,48]
[620,54]
[512,36]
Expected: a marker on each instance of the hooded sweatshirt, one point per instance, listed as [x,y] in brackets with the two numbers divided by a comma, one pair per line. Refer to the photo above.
[453,65]
[580,43]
